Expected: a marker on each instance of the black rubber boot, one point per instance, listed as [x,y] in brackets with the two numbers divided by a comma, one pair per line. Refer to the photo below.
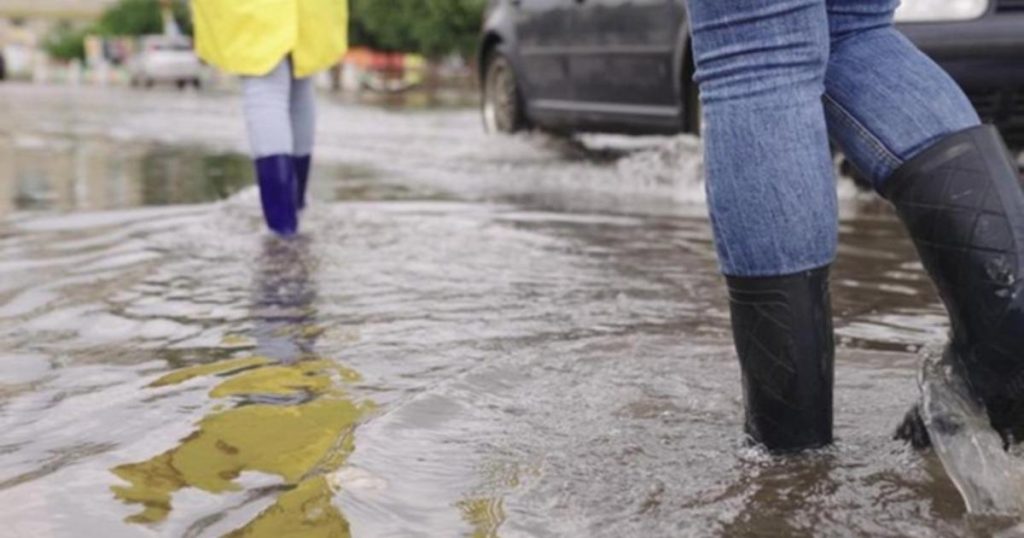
[962,202]
[783,332]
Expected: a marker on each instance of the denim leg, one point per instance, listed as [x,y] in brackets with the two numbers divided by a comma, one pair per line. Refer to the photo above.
[770,181]
[884,99]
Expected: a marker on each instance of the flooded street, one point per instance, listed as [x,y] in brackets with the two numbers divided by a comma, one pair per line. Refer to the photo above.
[473,336]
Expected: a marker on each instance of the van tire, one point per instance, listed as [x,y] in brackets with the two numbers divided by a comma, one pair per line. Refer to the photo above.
[502,103]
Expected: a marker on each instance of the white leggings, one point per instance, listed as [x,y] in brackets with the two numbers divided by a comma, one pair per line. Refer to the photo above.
[280,112]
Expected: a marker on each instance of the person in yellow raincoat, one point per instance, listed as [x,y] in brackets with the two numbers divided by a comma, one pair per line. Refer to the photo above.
[275,46]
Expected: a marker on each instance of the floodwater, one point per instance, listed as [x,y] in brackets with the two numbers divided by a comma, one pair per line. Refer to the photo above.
[473,336]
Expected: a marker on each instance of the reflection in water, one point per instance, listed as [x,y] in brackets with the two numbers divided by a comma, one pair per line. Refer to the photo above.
[290,415]
[101,173]
[485,515]
[283,302]
[191,174]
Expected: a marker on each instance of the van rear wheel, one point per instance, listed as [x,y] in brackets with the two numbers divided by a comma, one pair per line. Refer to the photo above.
[502,100]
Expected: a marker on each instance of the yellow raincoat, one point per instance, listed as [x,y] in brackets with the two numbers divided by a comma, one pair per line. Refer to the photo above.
[250,37]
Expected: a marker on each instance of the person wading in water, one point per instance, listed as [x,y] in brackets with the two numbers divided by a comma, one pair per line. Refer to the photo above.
[777,78]
[275,46]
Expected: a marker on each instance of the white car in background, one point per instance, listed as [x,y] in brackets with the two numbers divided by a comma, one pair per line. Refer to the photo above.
[168,59]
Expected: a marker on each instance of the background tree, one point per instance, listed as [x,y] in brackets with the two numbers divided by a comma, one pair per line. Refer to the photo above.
[66,42]
[430,27]
[140,17]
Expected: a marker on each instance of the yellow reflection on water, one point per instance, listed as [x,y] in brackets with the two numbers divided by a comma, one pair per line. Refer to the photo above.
[301,441]
[484,514]
[219,367]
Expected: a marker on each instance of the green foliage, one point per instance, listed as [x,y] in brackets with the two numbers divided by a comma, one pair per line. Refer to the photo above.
[430,27]
[66,42]
[131,17]
[125,18]
[140,17]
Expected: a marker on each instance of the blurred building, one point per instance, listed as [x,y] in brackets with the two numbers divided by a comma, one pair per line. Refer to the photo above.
[24,23]
[36,17]
[53,8]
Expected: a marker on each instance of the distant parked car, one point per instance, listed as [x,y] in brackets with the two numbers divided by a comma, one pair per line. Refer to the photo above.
[615,66]
[168,59]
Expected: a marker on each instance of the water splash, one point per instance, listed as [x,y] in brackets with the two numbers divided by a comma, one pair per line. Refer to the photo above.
[989,479]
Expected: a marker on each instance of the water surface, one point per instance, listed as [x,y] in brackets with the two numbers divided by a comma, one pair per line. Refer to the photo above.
[472,337]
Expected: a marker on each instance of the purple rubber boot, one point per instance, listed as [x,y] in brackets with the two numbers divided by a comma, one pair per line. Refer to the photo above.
[278,193]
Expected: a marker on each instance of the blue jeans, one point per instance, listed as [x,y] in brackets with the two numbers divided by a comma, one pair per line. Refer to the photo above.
[777,79]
